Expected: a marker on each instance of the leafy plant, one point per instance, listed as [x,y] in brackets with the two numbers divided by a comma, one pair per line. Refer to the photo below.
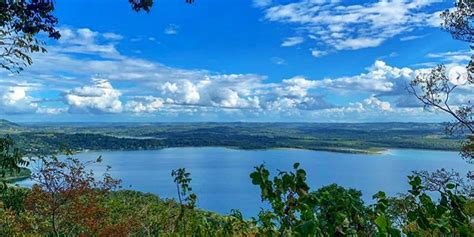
[70,197]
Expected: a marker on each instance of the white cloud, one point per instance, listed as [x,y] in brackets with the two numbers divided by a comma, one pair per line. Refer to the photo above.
[85,41]
[452,56]
[221,91]
[17,101]
[262,3]
[100,97]
[412,37]
[278,61]
[144,104]
[372,109]
[358,43]
[296,87]
[182,92]
[318,53]
[375,103]
[150,87]
[292,41]
[350,26]
[380,78]
[171,29]
[112,36]
[51,111]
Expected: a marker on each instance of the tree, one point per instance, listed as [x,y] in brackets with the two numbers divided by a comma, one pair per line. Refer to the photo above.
[22,20]
[335,211]
[145,5]
[458,22]
[435,88]
[70,197]
[11,160]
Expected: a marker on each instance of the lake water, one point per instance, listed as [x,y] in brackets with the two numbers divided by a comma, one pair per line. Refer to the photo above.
[221,176]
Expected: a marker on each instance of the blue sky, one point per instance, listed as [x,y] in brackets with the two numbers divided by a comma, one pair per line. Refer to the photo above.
[261,60]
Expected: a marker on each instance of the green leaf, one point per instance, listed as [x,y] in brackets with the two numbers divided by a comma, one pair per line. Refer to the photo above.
[382,223]
[450,186]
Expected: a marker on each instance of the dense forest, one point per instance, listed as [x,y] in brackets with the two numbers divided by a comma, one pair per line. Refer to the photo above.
[353,138]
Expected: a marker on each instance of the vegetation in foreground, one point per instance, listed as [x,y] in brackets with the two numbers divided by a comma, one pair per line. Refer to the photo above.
[69,200]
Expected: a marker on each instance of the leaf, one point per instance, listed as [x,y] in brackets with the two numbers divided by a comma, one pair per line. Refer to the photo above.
[450,186]
[382,223]
[307,228]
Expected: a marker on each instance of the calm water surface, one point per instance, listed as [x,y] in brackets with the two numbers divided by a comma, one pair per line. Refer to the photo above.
[221,176]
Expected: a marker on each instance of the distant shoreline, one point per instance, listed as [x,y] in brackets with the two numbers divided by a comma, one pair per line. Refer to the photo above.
[356,138]
[340,151]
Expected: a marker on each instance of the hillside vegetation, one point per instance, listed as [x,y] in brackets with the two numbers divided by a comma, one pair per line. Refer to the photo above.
[354,138]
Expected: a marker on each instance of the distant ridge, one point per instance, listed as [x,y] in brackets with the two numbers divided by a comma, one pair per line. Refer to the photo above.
[5,124]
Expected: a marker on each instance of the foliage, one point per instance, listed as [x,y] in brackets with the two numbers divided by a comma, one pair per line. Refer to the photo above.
[446,217]
[438,181]
[20,22]
[145,5]
[290,200]
[187,199]
[182,180]
[11,160]
[151,216]
[335,211]
[458,22]
[341,211]
[417,214]
[68,200]
[331,210]
[467,149]
[434,88]
[68,197]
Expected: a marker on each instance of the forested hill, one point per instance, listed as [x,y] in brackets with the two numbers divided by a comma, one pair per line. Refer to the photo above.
[341,137]
[5,124]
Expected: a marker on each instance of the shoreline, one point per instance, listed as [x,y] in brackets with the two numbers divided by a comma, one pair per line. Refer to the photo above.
[374,151]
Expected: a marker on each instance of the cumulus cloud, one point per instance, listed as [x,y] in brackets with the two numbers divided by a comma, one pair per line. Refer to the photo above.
[100,97]
[346,26]
[131,85]
[17,101]
[144,104]
[182,92]
[296,87]
[222,91]
[380,78]
[372,109]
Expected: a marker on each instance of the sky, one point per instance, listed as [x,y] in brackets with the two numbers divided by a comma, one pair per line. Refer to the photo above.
[245,60]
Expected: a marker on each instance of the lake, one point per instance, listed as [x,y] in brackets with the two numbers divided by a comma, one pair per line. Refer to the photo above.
[221,176]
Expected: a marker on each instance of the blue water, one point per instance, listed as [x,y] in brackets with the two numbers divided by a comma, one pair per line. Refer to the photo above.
[221,176]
